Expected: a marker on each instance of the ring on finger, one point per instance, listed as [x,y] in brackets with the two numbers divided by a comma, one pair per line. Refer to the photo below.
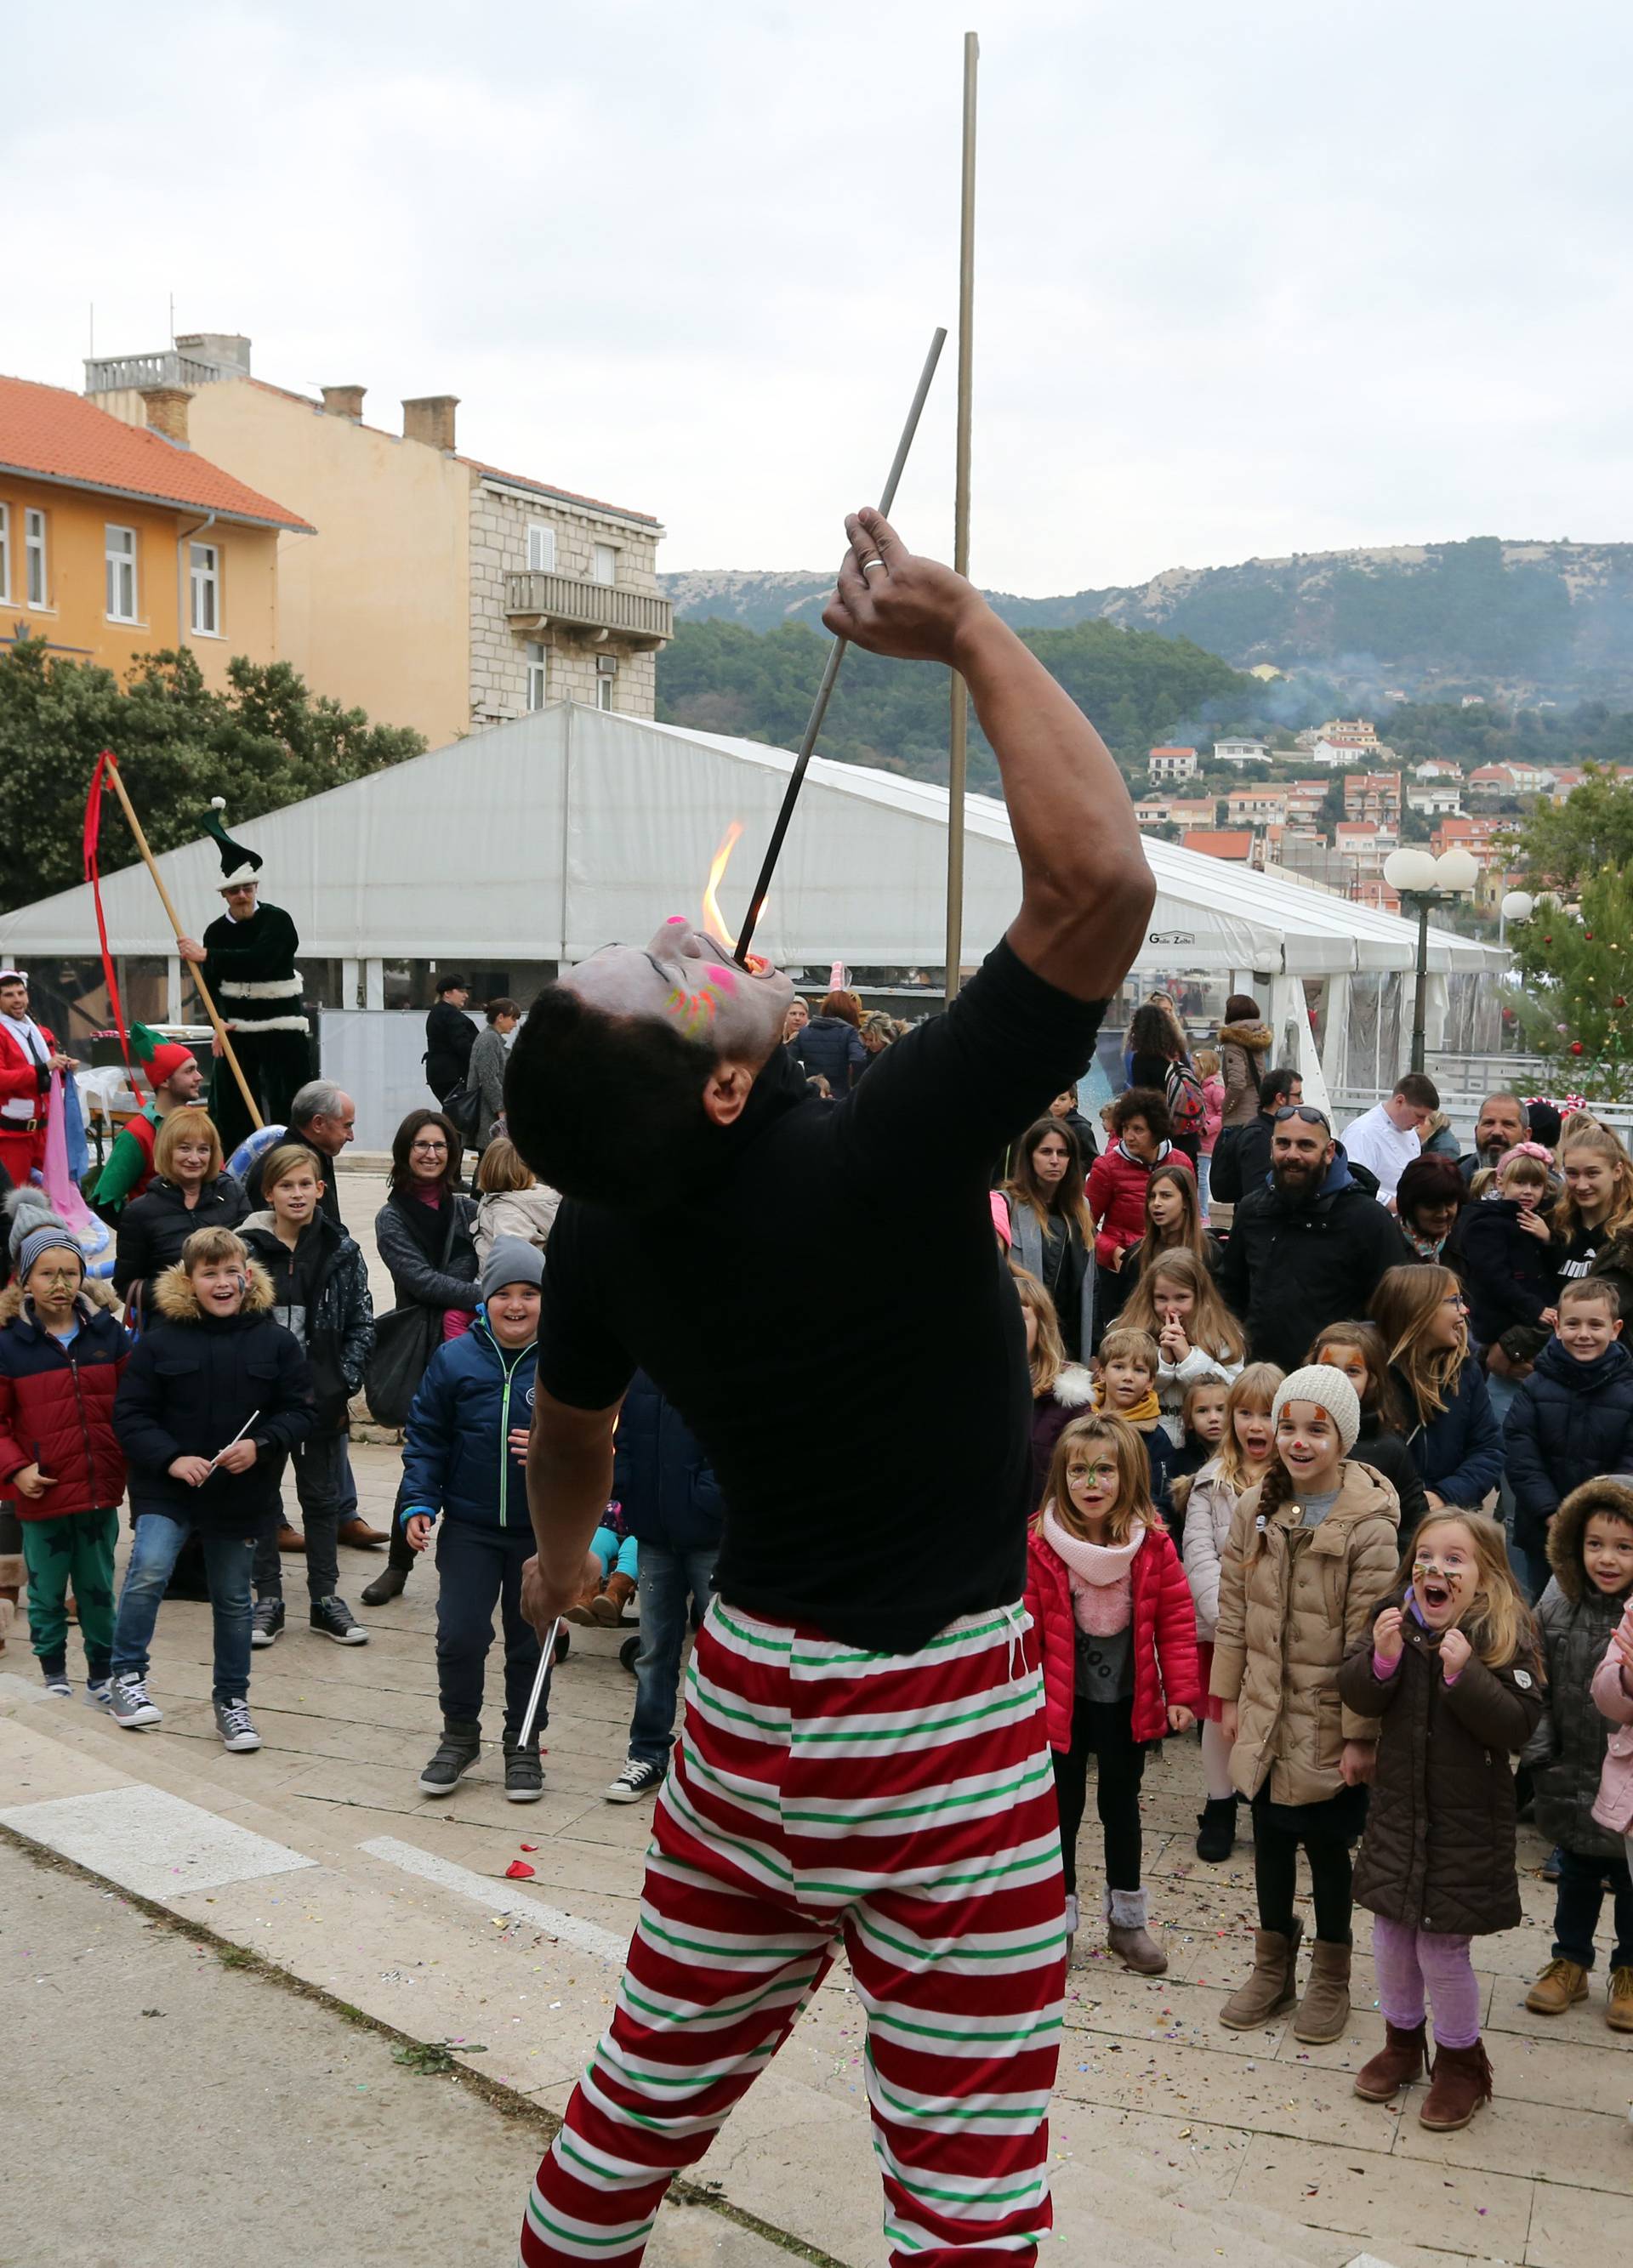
[875,562]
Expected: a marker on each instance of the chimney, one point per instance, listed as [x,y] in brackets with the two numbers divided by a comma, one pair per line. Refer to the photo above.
[345,402]
[431,420]
[166,411]
[228,349]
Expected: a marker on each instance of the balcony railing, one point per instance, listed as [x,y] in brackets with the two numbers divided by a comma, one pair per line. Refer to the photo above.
[117,373]
[569,599]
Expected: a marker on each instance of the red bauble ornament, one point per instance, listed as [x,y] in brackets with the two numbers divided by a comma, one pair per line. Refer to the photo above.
[1576,1047]
[1587,937]
[1621,1003]
[1548,940]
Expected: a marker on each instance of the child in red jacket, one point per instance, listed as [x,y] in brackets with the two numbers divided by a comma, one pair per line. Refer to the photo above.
[59,1363]
[1117,1632]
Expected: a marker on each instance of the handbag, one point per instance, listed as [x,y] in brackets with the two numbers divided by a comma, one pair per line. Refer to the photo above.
[462,1110]
[405,1339]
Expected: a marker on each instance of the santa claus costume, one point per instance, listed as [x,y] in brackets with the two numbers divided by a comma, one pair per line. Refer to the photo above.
[26,1051]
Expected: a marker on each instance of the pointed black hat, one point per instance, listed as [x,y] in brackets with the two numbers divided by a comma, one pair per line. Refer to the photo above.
[238,863]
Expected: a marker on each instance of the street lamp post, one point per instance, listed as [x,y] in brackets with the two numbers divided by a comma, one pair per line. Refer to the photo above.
[1422,884]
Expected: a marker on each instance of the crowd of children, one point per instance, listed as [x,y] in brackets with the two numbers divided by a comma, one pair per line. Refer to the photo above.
[1302,1565]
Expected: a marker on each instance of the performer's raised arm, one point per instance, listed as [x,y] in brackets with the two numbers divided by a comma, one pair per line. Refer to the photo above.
[1086,890]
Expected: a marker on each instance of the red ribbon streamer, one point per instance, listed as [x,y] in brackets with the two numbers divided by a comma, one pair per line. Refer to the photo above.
[93,829]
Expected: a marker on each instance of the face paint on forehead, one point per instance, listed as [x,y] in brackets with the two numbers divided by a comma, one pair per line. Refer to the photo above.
[683,976]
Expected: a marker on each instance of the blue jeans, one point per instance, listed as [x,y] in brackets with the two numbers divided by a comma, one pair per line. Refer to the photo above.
[154,1550]
[667,1581]
[1204,1174]
[478,1569]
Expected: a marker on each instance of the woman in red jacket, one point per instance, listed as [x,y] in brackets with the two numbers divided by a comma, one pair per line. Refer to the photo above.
[60,1363]
[1118,1632]
[1117,1180]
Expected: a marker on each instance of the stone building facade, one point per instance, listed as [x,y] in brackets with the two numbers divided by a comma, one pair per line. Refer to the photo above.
[565,602]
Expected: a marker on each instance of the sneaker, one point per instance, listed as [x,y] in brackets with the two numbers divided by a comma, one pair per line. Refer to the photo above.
[332,1618]
[638,1777]
[460,1747]
[56,1683]
[524,1774]
[127,1704]
[234,1724]
[1550,1866]
[99,1692]
[267,1622]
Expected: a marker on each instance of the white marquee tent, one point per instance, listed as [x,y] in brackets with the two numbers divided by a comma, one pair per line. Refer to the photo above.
[542,839]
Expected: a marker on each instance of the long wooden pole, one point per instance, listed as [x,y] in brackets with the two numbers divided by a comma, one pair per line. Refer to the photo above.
[177,930]
[957,741]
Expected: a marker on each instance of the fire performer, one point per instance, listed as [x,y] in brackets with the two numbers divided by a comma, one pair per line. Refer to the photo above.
[248,959]
[863,1757]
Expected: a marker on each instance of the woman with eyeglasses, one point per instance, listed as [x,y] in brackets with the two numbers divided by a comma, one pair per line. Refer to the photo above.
[1452,1429]
[424,1234]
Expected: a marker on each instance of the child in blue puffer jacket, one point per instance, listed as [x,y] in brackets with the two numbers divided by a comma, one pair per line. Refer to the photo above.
[464,1455]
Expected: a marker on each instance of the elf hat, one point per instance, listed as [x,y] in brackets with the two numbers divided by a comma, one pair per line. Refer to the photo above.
[239,862]
[159,1059]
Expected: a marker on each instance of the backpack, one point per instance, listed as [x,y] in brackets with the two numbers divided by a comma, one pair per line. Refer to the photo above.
[1187,1107]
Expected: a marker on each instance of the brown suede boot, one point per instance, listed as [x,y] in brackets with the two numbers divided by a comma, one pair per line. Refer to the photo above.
[609,1608]
[1127,1912]
[1325,2009]
[583,1608]
[1272,1988]
[1461,2083]
[1396,2065]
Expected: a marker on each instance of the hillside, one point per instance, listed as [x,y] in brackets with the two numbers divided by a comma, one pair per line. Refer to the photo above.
[1138,688]
[1526,620]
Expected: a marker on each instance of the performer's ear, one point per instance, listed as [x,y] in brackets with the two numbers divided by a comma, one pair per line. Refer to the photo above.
[728,1088]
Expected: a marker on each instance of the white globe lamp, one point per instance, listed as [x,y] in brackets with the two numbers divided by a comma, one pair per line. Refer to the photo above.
[1411,869]
[1518,906]
[1456,870]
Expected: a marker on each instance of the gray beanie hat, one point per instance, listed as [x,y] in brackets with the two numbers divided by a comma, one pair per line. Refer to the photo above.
[1321,1383]
[512,1260]
[51,1238]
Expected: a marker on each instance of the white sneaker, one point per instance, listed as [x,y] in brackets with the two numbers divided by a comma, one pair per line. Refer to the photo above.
[234,1724]
[99,1692]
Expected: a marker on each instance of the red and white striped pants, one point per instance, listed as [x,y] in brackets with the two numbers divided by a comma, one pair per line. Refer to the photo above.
[904,1802]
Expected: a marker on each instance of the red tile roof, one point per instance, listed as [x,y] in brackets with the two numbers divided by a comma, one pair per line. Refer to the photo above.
[1220,842]
[53,435]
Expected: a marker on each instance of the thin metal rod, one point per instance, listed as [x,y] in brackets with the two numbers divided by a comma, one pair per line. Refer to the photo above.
[545,1659]
[958,732]
[819,707]
[148,860]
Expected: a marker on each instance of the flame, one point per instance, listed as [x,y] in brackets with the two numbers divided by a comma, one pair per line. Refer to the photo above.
[713,921]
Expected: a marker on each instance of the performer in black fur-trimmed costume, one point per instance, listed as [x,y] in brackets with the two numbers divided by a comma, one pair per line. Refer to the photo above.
[248,959]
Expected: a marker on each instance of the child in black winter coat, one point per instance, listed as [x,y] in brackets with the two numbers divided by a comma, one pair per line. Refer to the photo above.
[1590,1546]
[1572,1420]
[214,1395]
[320,1290]
[1510,1260]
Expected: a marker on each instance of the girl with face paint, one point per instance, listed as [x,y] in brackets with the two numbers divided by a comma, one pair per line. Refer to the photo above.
[1451,1673]
[1310,1554]
[1243,1456]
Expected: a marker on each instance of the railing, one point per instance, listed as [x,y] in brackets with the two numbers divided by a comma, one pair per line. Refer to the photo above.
[121,373]
[584,605]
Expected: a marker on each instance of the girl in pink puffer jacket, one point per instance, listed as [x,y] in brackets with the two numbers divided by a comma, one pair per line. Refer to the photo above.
[1613,1697]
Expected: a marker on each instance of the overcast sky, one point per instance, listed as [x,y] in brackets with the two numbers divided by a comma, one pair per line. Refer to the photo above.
[1250,280]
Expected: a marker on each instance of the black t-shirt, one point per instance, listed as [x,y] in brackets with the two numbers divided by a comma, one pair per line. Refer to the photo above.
[832,1316]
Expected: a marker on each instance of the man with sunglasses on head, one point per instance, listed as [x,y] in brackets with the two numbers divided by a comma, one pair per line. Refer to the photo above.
[1309,1244]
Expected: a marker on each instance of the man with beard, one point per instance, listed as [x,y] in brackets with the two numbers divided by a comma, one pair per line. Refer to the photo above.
[864,1760]
[1308,1247]
[1501,1125]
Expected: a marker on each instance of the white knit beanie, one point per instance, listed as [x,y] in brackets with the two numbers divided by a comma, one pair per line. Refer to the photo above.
[1320,1383]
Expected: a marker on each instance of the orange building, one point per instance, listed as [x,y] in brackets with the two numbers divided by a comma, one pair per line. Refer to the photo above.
[117,541]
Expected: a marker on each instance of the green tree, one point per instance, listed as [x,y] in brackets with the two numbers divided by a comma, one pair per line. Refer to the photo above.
[1592,828]
[1578,979]
[265,742]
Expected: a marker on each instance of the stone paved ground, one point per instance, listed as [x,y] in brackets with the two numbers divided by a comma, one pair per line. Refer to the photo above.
[1174,2139]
